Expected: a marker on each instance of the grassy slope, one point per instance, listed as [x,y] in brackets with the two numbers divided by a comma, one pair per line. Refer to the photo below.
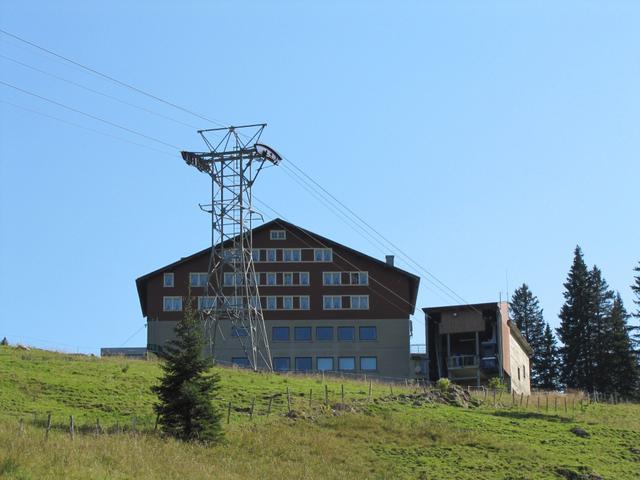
[387,439]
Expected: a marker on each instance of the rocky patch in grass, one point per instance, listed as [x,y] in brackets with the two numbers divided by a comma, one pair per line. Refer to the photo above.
[452,395]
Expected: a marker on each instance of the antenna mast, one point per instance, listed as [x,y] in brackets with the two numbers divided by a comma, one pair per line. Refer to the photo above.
[233,163]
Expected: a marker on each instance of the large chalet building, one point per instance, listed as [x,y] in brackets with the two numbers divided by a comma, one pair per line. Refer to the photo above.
[326,306]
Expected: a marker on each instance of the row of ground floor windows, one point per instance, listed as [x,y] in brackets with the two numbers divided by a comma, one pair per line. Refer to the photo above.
[343,334]
[322,364]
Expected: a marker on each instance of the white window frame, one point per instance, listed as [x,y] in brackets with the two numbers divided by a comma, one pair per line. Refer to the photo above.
[273,251]
[293,252]
[286,298]
[333,303]
[198,276]
[274,299]
[274,276]
[255,255]
[359,298]
[307,276]
[229,279]
[329,278]
[307,300]
[164,280]
[359,276]
[284,281]
[206,298]
[171,298]
[278,234]
[326,255]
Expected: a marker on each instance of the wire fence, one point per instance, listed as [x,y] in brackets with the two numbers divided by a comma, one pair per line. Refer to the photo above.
[328,399]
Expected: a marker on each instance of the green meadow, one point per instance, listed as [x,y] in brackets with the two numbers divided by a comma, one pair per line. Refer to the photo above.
[296,426]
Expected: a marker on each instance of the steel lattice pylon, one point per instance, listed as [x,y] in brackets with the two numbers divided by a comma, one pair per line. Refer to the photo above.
[234,160]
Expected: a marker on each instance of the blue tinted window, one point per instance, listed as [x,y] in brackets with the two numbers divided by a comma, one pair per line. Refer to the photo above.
[303,364]
[368,363]
[368,333]
[240,361]
[280,333]
[302,333]
[239,332]
[324,333]
[281,364]
[346,334]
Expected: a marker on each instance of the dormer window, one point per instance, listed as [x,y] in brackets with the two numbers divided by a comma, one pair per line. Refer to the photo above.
[278,234]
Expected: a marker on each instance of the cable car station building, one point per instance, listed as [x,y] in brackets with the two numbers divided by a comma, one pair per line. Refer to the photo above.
[326,306]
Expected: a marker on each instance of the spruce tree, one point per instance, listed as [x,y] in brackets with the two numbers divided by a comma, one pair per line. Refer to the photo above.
[527,315]
[575,326]
[635,330]
[186,390]
[621,362]
[549,367]
[600,334]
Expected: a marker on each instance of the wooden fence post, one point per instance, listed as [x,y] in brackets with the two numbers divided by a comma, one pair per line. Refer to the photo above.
[369,389]
[342,391]
[253,404]
[97,426]
[547,401]
[326,394]
[310,397]
[494,398]
[48,428]
[155,426]
[269,407]
[228,413]
[555,403]
[21,426]
[288,400]
[513,397]
[521,398]
[527,405]
[72,431]
[391,388]
[134,425]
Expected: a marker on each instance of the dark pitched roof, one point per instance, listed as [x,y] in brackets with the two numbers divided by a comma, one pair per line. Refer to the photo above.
[141,282]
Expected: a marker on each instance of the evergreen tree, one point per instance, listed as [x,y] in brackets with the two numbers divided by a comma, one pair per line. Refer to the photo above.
[621,362]
[600,334]
[185,394]
[549,367]
[636,329]
[575,326]
[527,315]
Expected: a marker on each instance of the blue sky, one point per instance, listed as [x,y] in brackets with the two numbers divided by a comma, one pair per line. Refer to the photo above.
[486,139]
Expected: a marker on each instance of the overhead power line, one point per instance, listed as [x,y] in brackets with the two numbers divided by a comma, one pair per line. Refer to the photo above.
[449,291]
[430,277]
[108,122]
[97,92]
[110,78]
[76,125]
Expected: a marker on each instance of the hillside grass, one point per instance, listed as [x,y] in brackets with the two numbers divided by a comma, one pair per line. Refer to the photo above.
[388,438]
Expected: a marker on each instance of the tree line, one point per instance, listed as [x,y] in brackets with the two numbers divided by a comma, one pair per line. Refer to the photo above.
[599,348]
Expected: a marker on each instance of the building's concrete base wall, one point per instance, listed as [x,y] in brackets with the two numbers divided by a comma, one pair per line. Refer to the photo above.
[391,347]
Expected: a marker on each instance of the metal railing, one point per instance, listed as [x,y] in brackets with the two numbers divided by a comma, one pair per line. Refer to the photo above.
[462,361]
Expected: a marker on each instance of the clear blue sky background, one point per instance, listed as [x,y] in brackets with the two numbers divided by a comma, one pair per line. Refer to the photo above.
[486,139]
